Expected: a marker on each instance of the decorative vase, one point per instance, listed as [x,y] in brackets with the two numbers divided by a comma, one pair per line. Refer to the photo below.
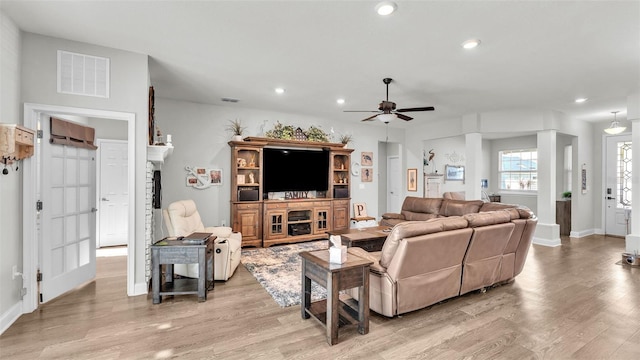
[236,138]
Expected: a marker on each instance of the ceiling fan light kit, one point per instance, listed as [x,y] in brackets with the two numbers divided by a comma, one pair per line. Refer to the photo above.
[615,127]
[386,118]
[470,44]
[385,8]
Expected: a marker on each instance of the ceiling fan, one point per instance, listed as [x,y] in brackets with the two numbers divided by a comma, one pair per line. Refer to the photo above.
[387,109]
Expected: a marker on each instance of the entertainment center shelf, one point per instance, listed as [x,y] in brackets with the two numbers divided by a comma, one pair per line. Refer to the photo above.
[304,214]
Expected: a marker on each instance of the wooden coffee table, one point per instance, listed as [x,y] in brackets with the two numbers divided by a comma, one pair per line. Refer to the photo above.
[336,310]
[369,238]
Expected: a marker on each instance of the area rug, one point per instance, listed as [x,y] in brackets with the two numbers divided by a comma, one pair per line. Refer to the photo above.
[277,269]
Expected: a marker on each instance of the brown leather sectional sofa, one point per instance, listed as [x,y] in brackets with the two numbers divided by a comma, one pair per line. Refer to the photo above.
[464,246]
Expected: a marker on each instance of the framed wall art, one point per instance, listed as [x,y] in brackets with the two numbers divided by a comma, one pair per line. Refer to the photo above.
[366,175]
[202,178]
[454,173]
[412,179]
[366,158]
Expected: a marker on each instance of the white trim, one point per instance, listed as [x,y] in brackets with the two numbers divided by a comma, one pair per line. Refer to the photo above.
[30,242]
[545,242]
[583,233]
[9,317]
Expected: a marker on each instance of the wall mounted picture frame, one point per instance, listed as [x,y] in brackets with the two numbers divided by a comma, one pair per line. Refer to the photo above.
[454,173]
[366,158]
[216,176]
[202,178]
[366,175]
[412,179]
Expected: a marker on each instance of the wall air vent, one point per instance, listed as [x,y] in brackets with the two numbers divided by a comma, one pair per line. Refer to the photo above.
[231,100]
[81,74]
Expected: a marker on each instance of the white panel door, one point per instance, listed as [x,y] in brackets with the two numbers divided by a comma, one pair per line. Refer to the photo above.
[394,180]
[113,196]
[67,234]
[617,192]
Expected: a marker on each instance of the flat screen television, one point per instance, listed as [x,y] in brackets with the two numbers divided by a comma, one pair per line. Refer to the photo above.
[295,170]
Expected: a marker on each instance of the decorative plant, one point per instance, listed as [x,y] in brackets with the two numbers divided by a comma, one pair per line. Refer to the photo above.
[346,138]
[281,131]
[236,127]
[316,134]
[286,132]
[566,195]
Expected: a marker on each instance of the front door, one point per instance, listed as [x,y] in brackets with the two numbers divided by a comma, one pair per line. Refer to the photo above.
[617,192]
[113,195]
[67,233]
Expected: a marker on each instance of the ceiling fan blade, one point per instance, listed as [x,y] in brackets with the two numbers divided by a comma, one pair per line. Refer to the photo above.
[427,108]
[370,118]
[404,117]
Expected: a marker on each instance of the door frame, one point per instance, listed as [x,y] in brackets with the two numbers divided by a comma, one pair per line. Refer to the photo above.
[30,247]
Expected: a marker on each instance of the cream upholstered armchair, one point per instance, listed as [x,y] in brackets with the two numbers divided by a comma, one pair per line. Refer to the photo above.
[182,218]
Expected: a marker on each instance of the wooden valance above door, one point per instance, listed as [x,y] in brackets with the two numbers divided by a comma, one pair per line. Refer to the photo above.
[68,133]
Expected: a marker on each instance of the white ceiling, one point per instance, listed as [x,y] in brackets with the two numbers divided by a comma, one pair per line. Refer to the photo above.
[534,54]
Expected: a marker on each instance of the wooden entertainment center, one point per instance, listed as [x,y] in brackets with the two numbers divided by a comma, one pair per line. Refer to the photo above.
[264,221]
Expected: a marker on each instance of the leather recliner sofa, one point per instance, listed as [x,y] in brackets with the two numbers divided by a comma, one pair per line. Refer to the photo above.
[425,262]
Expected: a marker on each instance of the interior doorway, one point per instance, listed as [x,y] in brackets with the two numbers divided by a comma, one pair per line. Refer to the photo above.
[31,193]
[112,196]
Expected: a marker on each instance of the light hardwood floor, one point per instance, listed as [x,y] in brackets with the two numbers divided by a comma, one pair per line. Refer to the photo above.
[572,301]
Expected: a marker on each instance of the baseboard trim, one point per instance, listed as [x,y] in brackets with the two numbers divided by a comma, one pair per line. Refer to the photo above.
[140,289]
[546,242]
[583,233]
[8,318]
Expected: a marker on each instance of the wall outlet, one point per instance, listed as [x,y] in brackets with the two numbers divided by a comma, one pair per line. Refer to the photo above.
[223,223]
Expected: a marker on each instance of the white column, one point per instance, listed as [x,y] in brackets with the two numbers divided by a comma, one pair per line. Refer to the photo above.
[472,172]
[632,241]
[547,232]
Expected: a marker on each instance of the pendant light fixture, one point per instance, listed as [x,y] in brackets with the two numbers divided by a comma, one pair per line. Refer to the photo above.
[615,127]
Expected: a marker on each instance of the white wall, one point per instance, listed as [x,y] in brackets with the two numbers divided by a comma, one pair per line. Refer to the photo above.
[200,139]
[10,185]
[446,149]
[109,128]
[128,93]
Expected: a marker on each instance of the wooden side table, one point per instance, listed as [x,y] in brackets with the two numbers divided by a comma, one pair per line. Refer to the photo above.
[169,252]
[334,311]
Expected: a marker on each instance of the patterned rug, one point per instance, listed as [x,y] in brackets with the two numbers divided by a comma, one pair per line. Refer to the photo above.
[277,269]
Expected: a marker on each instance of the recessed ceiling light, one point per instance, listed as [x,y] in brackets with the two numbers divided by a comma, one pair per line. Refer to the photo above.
[386,8]
[580,100]
[279,90]
[340,101]
[470,44]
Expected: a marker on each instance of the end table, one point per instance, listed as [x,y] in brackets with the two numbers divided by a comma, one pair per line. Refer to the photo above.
[334,311]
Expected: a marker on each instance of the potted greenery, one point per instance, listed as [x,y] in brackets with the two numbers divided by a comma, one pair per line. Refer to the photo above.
[236,129]
[566,195]
[346,139]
